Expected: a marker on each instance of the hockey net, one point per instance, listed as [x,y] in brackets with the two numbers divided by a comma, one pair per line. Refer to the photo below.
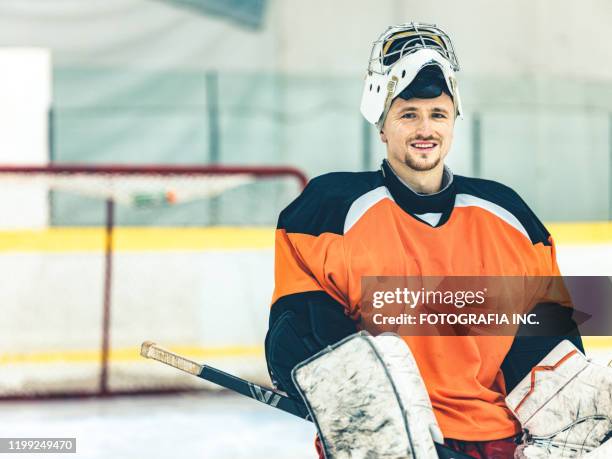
[97,259]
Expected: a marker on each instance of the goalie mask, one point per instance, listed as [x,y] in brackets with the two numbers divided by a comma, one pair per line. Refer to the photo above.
[409,60]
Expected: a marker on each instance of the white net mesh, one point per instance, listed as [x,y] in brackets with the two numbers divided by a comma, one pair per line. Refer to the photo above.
[133,189]
[191,267]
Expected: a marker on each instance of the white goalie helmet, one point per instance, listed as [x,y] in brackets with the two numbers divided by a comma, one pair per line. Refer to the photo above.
[397,57]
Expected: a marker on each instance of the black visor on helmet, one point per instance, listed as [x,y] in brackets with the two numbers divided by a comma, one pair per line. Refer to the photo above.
[428,83]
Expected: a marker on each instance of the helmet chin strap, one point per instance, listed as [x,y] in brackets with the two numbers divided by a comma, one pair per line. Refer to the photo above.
[388,101]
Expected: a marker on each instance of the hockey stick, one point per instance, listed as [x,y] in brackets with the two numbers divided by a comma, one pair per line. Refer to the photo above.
[262,394]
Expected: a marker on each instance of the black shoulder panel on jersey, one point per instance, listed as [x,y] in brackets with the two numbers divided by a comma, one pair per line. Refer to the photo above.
[324,203]
[507,198]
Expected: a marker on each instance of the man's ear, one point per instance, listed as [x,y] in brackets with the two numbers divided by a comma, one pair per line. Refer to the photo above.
[383,137]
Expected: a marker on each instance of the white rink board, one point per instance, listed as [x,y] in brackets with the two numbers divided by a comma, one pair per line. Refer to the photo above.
[585,260]
[204,300]
[216,300]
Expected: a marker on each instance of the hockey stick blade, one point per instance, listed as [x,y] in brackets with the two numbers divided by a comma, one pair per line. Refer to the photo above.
[270,397]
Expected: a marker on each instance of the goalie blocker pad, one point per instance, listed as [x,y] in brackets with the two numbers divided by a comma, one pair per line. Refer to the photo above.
[367,399]
[564,405]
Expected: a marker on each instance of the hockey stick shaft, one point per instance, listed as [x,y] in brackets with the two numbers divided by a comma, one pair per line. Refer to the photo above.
[248,389]
[262,394]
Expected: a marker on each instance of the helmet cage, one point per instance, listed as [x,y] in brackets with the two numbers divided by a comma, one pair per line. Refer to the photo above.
[415,37]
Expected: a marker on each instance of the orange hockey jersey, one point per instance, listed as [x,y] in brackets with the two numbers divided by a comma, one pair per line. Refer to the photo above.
[348,225]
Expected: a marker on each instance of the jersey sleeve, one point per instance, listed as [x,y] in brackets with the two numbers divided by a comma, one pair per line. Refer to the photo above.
[544,269]
[309,246]
[306,263]
[554,290]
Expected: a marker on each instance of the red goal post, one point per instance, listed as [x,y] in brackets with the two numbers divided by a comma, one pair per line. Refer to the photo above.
[69,300]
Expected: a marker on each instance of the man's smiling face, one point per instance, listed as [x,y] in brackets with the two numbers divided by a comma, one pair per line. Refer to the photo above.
[419,132]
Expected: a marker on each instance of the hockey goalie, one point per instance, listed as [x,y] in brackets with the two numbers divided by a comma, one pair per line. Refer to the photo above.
[392,397]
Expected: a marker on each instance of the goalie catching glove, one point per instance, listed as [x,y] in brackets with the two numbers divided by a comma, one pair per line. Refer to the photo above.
[367,399]
[565,407]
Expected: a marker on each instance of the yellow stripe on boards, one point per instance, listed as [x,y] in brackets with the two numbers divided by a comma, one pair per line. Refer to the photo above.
[92,239]
[597,342]
[194,238]
[581,232]
[131,354]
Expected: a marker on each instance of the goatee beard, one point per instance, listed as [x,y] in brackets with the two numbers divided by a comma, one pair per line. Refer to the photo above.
[420,167]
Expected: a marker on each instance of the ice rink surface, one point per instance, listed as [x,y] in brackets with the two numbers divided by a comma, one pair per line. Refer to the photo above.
[206,425]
